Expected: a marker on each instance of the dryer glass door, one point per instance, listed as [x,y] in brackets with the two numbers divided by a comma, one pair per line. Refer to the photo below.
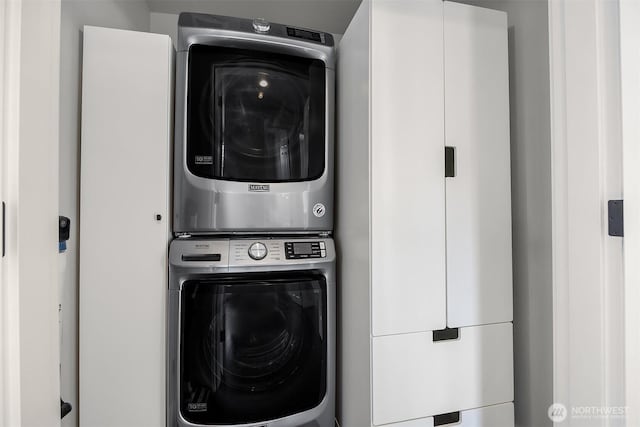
[253,348]
[255,116]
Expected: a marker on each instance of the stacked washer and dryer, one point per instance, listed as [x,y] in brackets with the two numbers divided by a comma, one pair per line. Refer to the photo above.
[252,266]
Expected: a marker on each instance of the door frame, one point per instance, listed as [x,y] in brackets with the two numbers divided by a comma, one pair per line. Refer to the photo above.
[630,89]
[9,101]
[29,140]
[586,159]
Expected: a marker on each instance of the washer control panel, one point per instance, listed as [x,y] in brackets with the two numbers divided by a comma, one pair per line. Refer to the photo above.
[258,251]
[232,253]
[303,250]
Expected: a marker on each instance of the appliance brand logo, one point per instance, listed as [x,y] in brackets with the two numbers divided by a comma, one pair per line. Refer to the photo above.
[261,188]
[319,210]
[197,407]
[203,160]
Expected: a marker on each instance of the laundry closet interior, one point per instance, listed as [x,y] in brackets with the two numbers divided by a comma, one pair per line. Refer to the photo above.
[306,213]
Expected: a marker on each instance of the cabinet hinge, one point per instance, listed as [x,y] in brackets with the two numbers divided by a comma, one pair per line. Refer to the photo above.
[449,162]
[616,218]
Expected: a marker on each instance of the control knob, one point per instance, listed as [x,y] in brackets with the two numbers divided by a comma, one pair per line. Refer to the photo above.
[257,251]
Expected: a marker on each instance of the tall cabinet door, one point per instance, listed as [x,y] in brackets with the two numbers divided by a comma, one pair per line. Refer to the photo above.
[478,197]
[407,172]
[124,227]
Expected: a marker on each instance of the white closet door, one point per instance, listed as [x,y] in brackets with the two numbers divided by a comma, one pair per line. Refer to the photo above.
[126,122]
[478,198]
[407,170]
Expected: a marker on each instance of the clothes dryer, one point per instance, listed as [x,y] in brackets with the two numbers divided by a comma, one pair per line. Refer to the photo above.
[254,127]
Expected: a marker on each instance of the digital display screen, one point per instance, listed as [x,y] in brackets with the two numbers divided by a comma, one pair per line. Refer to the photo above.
[302,249]
[304,34]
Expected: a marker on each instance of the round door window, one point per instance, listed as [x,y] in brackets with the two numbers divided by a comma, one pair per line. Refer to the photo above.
[252,350]
[255,116]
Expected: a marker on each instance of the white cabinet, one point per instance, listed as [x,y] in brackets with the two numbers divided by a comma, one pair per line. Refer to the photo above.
[420,422]
[419,251]
[461,64]
[489,416]
[124,227]
[407,170]
[414,376]
[478,198]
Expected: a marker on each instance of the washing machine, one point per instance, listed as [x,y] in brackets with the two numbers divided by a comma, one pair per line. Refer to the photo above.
[254,127]
[251,332]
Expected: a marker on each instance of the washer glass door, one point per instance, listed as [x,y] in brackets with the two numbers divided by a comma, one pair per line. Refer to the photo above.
[253,348]
[255,116]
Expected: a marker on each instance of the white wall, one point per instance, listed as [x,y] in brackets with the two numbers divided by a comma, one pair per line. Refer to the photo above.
[164,23]
[123,14]
[531,206]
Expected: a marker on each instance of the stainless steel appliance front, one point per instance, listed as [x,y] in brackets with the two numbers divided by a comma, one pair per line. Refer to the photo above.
[251,333]
[254,122]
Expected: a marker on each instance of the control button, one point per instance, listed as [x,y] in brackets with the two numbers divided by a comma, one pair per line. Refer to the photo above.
[323,253]
[257,251]
[322,246]
[261,26]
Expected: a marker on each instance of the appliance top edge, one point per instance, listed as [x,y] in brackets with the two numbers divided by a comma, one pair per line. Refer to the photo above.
[190,24]
[253,234]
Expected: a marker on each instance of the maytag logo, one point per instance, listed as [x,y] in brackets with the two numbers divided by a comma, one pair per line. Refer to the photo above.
[259,187]
[203,160]
[197,407]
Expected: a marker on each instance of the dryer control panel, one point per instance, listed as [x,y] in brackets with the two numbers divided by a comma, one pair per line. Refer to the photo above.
[303,250]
